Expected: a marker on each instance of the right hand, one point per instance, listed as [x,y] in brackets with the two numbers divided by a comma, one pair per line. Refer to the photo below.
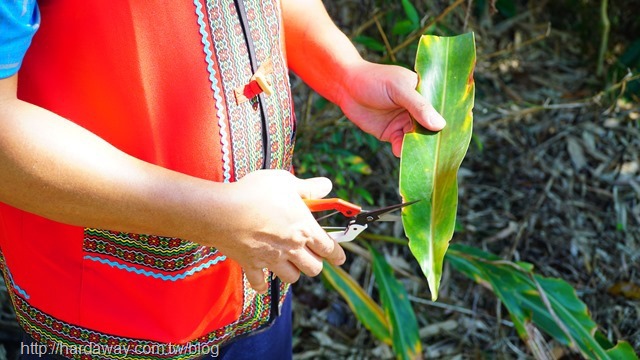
[273,228]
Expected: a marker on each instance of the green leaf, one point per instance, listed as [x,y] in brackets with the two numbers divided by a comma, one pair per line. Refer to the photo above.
[411,12]
[478,142]
[366,310]
[403,27]
[342,193]
[369,42]
[430,161]
[398,310]
[507,8]
[358,165]
[550,303]
[631,56]
[320,103]
[458,226]
[365,194]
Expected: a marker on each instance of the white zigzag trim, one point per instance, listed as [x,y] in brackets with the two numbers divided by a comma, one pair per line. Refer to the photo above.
[216,94]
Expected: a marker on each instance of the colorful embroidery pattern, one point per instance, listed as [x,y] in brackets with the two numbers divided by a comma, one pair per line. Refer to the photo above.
[8,279]
[232,55]
[246,120]
[264,18]
[215,87]
[156,275]
[155,252]
[66,337]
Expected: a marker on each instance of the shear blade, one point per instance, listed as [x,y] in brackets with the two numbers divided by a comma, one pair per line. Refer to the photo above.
[389,217]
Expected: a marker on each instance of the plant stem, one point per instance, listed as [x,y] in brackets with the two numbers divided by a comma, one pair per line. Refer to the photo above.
[606,25]
[389,239]
[385,39]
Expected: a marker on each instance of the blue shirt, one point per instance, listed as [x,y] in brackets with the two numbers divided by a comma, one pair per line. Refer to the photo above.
[19,20]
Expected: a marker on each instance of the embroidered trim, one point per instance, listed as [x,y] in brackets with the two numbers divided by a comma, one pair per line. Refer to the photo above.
[152,243]
[135,270]
[155,252]
[216,94]
[15,286]
[232,54]
[54,333]
[57,334]
[264,18]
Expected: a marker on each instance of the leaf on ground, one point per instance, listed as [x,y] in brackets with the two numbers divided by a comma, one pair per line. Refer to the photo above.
[398,310]
[628,290]
[549,303]
[366,310]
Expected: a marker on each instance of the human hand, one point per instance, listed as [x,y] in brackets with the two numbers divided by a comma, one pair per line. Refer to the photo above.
[274,229]
[381,100]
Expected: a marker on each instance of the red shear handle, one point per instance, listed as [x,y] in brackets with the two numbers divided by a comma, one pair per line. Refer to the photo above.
[346,208]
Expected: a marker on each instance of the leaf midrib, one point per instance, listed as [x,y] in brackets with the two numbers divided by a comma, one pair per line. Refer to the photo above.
[436,163]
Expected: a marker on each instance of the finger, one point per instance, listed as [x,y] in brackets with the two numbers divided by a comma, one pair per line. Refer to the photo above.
[396,144]
[337,257]
[308,262]
[287,272]
[257,280]
[420,109]
[329,249]
[314,188]
[320,243]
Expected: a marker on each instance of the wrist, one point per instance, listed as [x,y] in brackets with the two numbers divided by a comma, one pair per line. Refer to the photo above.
[346,80]
[200,210]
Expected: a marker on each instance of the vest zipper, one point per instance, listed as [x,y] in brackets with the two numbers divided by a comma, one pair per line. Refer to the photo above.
[266,141]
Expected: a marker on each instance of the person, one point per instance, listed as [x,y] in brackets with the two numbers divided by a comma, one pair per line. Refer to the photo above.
[149,207]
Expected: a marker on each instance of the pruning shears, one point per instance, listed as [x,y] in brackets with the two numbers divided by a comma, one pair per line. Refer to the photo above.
[358,219]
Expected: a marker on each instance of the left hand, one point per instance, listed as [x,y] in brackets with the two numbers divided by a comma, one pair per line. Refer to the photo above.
[382,99]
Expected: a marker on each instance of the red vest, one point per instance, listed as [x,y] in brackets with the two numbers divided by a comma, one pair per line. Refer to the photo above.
[158,80]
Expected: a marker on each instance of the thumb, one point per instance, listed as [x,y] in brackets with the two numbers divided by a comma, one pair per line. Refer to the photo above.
[314,188]
[421,110]
[404,94]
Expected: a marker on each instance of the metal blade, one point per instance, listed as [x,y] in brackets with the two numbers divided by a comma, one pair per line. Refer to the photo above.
[390,217]
[367,217]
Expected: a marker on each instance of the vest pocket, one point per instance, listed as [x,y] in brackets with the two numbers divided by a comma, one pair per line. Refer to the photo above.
[157,288]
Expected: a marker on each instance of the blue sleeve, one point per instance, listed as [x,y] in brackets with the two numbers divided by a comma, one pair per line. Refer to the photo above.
[19,20]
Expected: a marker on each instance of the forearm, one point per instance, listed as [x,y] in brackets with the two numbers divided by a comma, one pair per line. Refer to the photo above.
[317,50]
[380,99]
[54,168]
